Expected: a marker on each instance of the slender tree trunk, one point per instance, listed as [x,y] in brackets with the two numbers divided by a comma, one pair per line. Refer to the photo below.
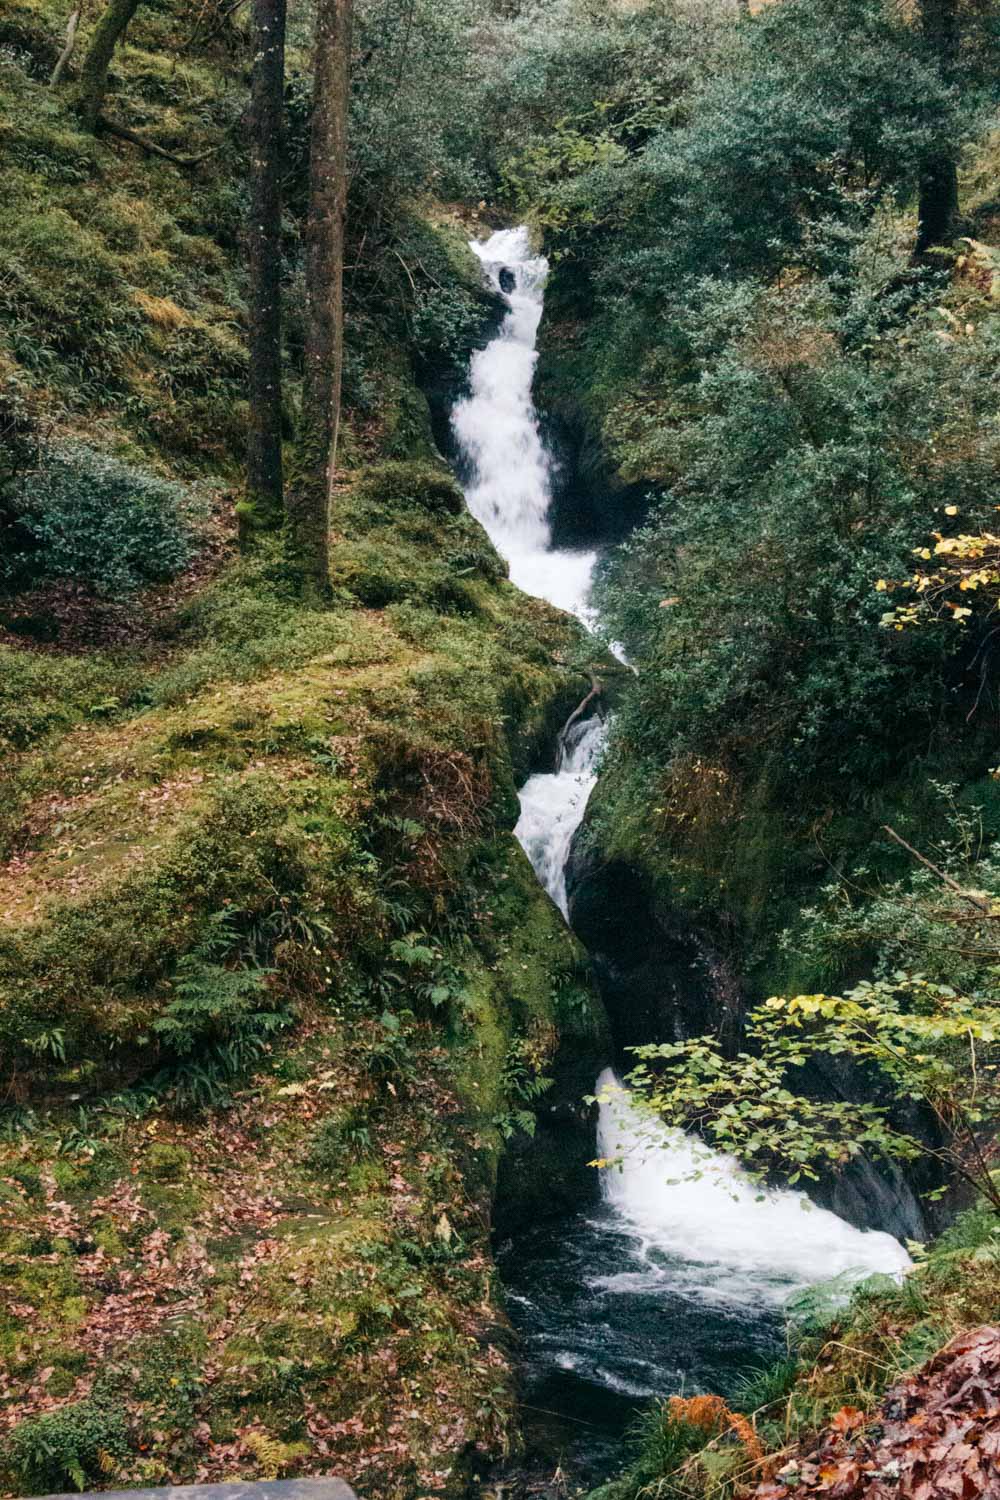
[938,210]
[263,505]
[94,73]
[308,500]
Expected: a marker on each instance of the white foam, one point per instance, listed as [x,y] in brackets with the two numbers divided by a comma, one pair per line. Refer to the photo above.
[735,1241]
[553,805]
[496,428]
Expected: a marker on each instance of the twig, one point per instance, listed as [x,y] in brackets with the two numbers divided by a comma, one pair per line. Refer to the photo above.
[406,268]
[977,901]
[124,134]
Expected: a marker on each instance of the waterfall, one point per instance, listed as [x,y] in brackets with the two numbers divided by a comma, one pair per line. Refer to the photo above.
[728,1238]
[496,428]
[673,1279]
[553,805]
[510,493]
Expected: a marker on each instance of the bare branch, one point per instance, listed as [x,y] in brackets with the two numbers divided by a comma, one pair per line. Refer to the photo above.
[124,134]
[72,27]
[977,901]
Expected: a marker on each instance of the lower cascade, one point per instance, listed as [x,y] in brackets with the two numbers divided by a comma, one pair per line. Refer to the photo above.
[733,1242]
[676,1279]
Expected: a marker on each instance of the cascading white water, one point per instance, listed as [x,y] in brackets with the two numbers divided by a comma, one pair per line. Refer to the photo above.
[496,428]
[553,805]
[672,1280]
[728,1239]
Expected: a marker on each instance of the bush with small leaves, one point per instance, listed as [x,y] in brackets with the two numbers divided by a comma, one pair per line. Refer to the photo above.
[87,516]
[78,1444]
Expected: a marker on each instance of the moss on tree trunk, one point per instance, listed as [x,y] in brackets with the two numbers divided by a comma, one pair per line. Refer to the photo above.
[94,73]
[262,508]
[308,501]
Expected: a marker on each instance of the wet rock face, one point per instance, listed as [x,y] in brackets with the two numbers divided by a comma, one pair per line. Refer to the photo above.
[546,1175]
[884,1194]
[507,279]
[876,1197]
[659,979]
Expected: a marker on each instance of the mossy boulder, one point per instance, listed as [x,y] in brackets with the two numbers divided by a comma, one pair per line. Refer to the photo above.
[405,485]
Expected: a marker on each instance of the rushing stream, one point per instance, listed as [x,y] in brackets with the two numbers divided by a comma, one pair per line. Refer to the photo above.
[669,1283]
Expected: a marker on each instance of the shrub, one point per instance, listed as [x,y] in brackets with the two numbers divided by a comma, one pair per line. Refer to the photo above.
[923,1029]
[339,1141]
[799,478]
[90,517]
[75,1444]
[218,1023]
[446,321]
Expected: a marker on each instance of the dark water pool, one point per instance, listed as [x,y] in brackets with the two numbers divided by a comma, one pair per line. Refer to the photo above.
[607,1323]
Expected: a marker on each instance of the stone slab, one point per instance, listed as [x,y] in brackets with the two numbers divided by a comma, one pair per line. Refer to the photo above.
[271,1489]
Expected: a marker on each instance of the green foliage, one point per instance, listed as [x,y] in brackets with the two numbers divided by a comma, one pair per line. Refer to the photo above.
[794,482]
[816,93]
[738,325]
[219,1022]
[446,321]
[523,1081]
[63,297]
[89,517]
[164,1375]
[410,126]
[340,1141]
[763,1389]
[77,1445]
[662,1441]
[927,1033]
[387,1053]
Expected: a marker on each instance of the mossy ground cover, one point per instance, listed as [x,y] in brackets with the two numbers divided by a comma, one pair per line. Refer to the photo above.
[288,835]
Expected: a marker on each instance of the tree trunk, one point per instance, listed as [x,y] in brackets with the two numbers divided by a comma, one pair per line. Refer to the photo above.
[308,501]
[263,506]
[94,73]
[938,208]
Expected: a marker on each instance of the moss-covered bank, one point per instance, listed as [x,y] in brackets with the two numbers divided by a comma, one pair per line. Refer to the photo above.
[278,987]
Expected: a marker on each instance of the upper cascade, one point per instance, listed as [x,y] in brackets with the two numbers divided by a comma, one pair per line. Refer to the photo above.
[496,428]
